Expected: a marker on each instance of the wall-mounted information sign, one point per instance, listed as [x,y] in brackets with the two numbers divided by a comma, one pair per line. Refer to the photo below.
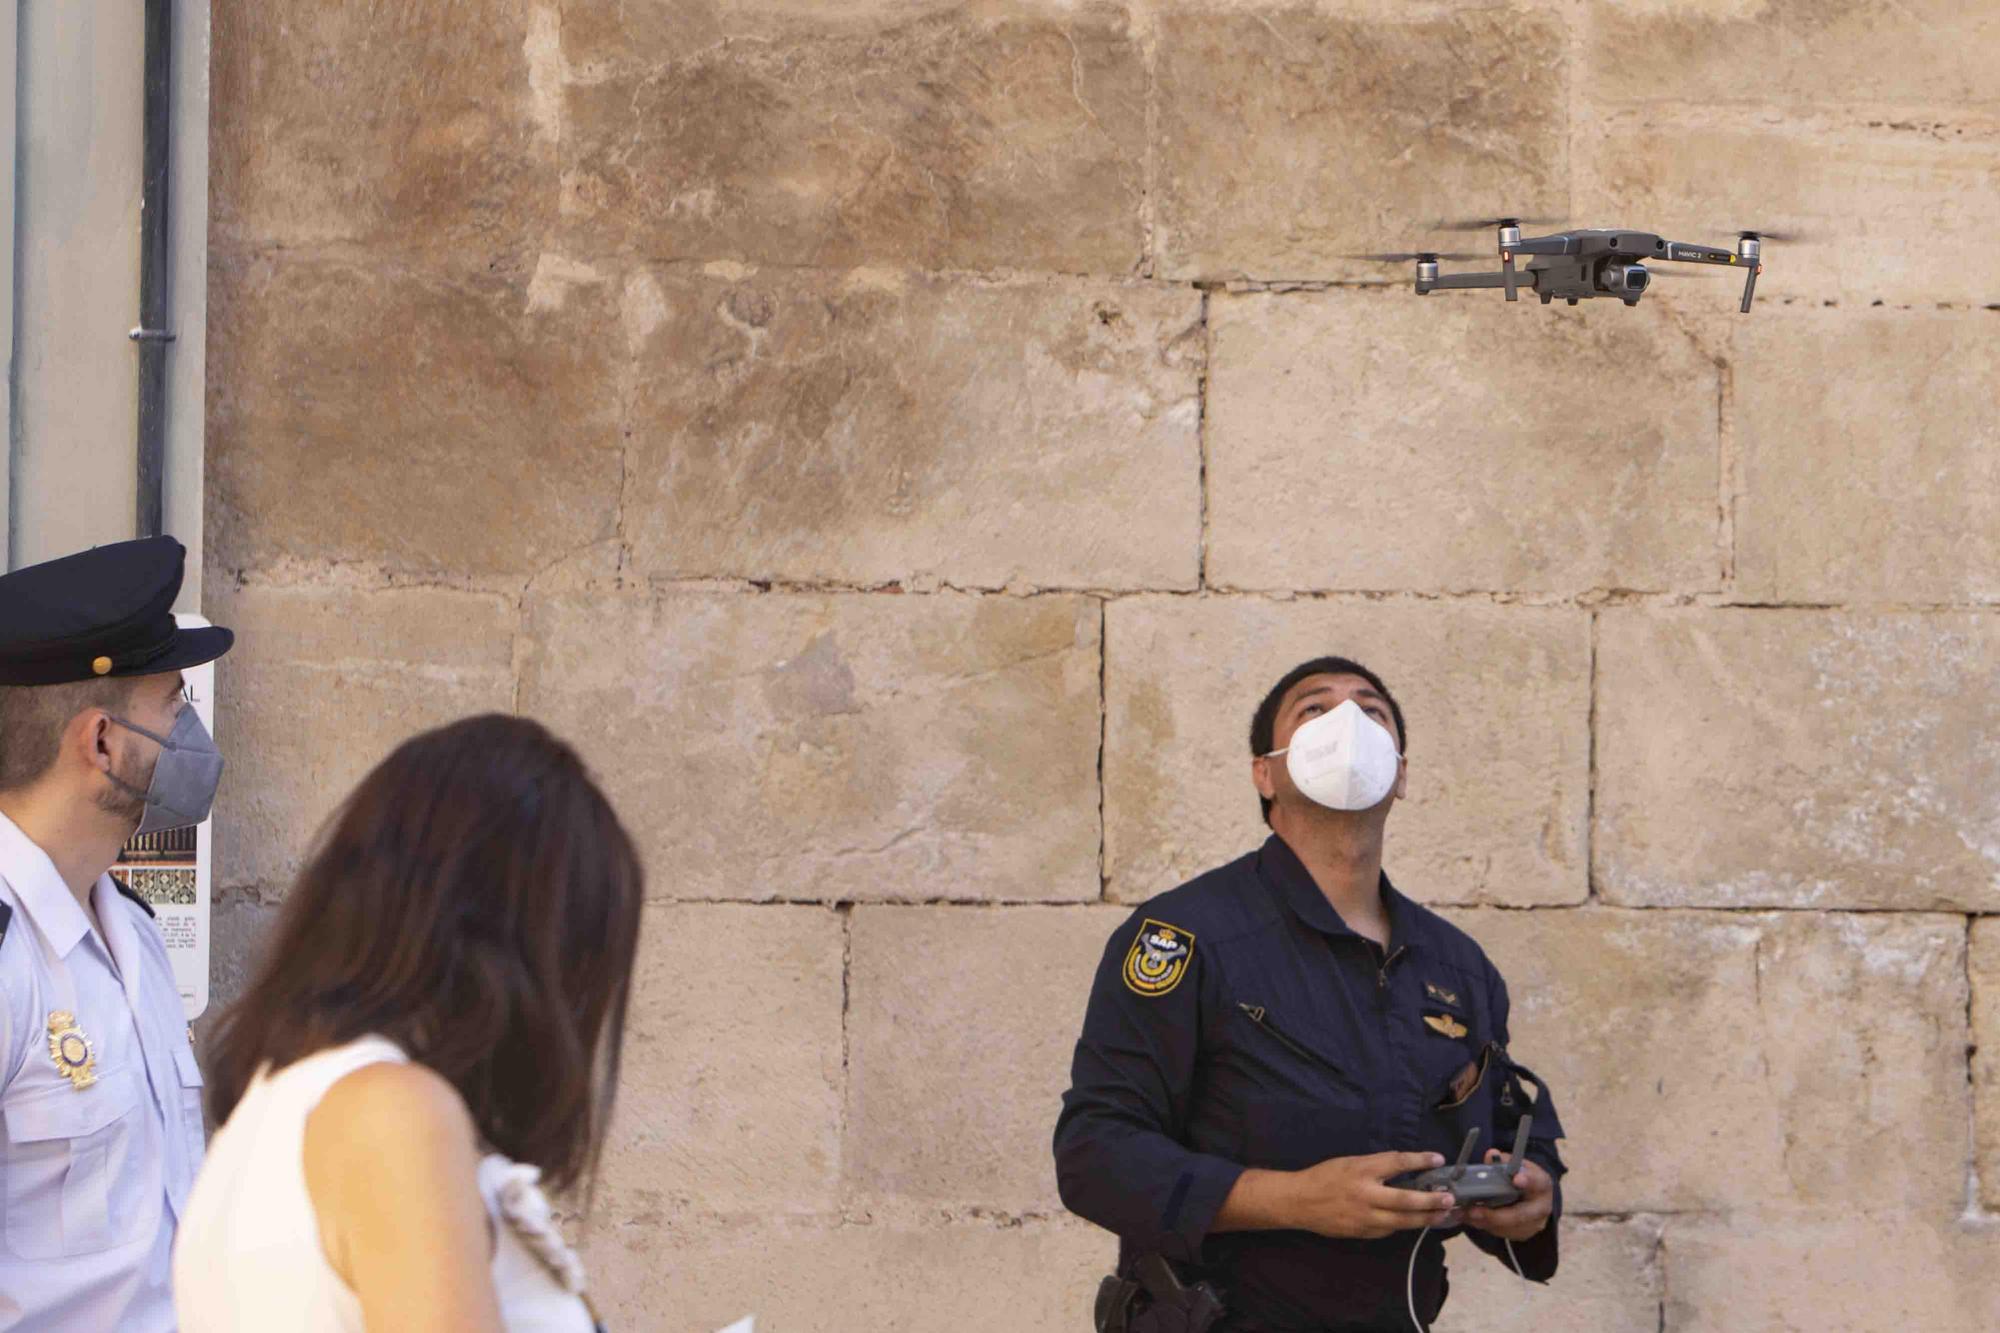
[172,870]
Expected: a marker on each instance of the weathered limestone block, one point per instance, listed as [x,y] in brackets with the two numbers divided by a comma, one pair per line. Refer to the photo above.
[1610,1282]
[1289,136]
[944,1108]
[443,421]
[1868,456]
[1890,210]
[873,428]
[1852,1273]
[729,1100]
[971,1275]
[238,927]
[1344,452]
[403,125]
[1985,970]
[1498,703]
[1795,53]
[1727,1061]
[852,747]
[1007,137]
[1790,758]
[323,683]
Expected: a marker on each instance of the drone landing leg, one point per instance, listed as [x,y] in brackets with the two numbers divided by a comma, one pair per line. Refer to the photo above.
[1507,272]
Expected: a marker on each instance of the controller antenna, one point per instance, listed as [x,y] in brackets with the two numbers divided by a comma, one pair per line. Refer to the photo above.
[1465,1154]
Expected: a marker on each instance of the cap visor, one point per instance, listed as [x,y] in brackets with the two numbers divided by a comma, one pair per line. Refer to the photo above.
[192,647]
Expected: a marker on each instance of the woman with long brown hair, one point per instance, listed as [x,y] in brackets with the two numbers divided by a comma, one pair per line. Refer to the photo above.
[436,1023]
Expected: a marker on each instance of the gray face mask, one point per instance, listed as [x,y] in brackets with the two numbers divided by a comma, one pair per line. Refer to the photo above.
[185,778]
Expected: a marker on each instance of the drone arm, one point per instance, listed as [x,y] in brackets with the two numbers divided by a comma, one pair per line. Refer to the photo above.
[1530,245]
[1750,286]
[1462,280]
[1749,261]
[1682,252]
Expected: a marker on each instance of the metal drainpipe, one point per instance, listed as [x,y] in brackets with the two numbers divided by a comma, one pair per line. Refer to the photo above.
[155,270]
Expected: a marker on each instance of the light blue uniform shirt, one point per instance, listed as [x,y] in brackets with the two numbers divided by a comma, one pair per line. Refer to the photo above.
[94,1179]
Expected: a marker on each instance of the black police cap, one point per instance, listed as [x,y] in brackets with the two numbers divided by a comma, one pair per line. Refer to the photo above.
[108,611]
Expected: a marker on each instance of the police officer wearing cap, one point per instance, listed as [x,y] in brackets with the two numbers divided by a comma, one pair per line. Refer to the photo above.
[100,1098]
[1270,1044]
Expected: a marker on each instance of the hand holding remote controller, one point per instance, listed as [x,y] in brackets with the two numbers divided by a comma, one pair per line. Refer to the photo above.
[1488,1185]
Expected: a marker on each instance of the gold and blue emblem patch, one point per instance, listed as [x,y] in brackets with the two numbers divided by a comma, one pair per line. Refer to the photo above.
[1158,958]
[73,1054]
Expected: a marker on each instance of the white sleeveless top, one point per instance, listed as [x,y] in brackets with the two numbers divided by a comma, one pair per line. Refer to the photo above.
[248,1253]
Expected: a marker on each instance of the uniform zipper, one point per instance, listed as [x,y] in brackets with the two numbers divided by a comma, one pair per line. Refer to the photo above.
[1382,971]
[1257,1014]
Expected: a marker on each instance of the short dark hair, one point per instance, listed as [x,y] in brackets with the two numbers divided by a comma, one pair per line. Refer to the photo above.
[34,717]
[1264,722]
[477,902]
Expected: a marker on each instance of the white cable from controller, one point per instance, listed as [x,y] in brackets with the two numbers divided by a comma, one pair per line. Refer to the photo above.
[1410,1282]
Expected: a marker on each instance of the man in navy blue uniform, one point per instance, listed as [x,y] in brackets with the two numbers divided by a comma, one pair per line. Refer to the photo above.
[1271,1042]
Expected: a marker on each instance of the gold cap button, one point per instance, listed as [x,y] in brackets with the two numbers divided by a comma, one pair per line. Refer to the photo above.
[102,666]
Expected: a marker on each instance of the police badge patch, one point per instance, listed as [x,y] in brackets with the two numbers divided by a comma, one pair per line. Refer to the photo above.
[74,1056]
[1158,958]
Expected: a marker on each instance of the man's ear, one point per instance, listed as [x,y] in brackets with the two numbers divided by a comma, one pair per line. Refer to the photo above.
[1402,778]
[90,739]
[1260,773]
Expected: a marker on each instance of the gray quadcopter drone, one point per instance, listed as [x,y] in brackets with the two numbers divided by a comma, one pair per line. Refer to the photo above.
[1578,265]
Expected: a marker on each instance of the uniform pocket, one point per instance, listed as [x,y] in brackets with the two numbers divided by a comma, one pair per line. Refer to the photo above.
[1267,1023]
[1466,1082]
[72,1185]
[1290,1134]
[1464,1100]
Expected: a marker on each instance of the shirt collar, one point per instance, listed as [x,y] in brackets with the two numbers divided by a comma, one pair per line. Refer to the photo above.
[121,936]
[32,875]
[1282,869]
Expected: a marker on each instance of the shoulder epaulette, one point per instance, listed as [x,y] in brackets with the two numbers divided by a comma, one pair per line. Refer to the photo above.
[129,892]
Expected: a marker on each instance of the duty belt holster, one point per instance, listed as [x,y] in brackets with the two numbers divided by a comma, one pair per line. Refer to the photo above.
[1155,1300]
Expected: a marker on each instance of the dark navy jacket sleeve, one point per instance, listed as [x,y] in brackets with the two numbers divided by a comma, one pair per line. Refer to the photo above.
[1538,1255]
[1120,1161]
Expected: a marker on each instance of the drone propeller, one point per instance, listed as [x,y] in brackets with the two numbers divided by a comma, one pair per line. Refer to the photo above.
[1488,224]
[1402,257]
[1785,236]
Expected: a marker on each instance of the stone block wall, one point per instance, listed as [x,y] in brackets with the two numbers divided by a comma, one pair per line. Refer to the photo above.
[898,441]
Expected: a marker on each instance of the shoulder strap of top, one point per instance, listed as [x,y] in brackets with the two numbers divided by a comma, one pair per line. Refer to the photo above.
[514,1199]
[308,1080]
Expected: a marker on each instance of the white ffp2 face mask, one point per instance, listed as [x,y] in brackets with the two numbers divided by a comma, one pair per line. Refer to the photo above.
[1344,759]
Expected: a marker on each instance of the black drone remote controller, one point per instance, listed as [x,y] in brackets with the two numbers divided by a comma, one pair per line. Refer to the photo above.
[1490,1185]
